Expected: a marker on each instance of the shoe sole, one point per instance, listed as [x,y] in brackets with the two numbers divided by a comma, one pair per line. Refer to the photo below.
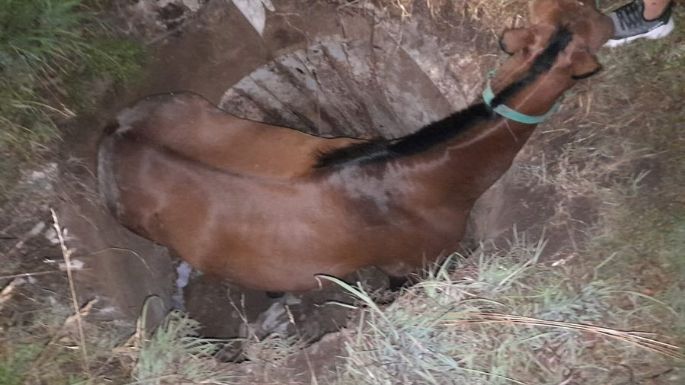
[656,33]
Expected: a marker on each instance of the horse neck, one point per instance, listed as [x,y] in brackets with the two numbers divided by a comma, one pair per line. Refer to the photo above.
[538,97]
[477,159]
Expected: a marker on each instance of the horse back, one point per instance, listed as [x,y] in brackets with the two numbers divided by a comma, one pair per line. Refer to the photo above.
[194,128]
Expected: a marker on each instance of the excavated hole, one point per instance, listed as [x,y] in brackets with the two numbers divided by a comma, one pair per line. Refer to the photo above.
[369,75]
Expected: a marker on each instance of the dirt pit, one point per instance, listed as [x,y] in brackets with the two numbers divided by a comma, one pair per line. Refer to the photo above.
[324,68]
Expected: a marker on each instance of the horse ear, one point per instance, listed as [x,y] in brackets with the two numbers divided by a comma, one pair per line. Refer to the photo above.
[515,39]
[584,64]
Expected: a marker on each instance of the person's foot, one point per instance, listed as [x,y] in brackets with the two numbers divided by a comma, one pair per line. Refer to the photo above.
[630,24]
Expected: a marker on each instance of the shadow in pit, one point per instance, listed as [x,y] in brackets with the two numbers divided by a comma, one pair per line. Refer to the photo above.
[228,312]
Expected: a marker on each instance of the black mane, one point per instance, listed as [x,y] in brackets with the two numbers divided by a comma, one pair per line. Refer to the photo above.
[442,130]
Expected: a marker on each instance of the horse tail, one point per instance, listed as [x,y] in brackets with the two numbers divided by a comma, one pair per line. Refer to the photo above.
[107,184]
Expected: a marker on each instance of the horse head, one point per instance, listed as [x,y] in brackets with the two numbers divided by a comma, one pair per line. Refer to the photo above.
[587,29]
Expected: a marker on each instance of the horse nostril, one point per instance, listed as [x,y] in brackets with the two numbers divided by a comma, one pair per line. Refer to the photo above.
[503,47]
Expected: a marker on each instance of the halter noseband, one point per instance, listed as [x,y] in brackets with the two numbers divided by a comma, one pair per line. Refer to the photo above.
[512,114]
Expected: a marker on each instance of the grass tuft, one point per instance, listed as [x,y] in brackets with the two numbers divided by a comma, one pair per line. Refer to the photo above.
[503,317]
[51,52]
[175,354]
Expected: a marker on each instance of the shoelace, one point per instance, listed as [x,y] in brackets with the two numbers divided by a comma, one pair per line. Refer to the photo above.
[630,16]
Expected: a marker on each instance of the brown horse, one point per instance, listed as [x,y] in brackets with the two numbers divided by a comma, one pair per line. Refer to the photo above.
[270,208]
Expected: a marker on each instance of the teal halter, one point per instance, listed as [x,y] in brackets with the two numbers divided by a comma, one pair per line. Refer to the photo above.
[512,114]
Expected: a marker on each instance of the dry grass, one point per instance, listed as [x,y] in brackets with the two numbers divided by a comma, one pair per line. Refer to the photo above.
[634,338]
[47,342]
[51,54]
[505,317]
[174,354]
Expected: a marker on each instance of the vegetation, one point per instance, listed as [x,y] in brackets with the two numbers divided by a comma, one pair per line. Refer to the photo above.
[51,53]
[505,317]
[176,354]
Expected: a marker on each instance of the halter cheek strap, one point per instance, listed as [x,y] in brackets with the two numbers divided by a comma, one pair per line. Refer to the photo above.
[512,114]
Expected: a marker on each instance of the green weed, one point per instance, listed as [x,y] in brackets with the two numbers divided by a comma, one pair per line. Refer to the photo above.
[175,354]
[14,364]
[50,52]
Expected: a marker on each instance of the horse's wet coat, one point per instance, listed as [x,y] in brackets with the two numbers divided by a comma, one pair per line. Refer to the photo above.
[270,208]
